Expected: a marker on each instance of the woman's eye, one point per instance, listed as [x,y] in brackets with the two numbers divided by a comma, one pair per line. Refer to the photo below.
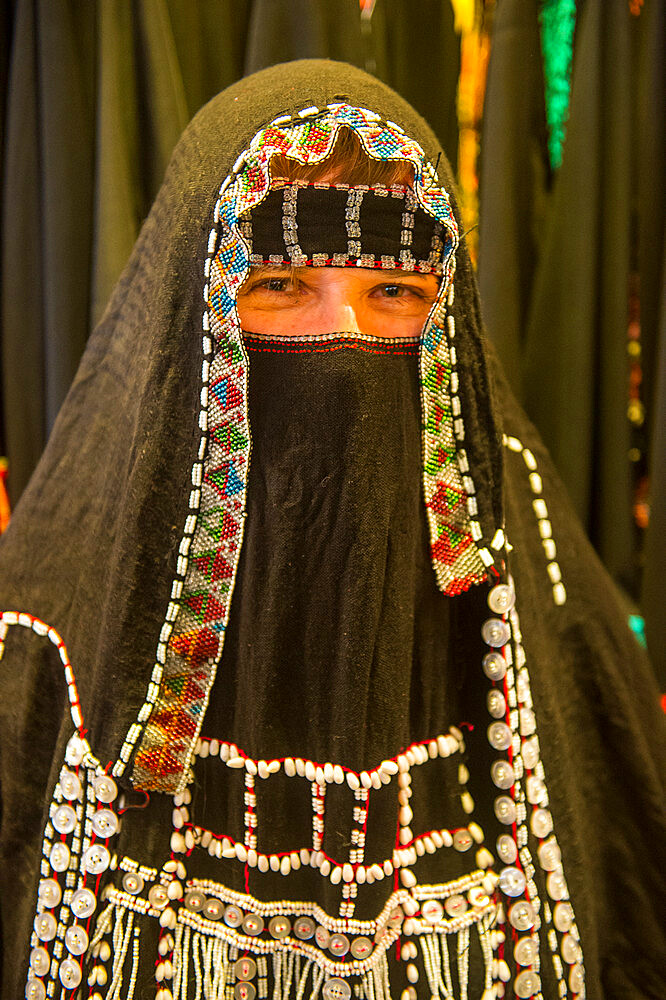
[276,285]
[398,291]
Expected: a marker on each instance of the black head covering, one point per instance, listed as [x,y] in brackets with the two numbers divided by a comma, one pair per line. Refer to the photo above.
[129,541]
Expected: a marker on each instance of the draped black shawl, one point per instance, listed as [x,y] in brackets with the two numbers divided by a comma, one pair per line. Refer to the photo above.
[105,536]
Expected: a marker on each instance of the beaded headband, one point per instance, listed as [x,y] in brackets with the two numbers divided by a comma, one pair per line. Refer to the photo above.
[335,225]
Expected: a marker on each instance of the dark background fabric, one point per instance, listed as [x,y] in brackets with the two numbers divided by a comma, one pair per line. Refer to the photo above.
[557,253]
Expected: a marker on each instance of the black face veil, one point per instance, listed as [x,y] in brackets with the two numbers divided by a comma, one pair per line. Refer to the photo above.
[305,661]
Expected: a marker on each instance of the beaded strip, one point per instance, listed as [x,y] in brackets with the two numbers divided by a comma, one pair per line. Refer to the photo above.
[458,555]
[522,806]
[397,346]
[543,522]
[191,638]
[307,338]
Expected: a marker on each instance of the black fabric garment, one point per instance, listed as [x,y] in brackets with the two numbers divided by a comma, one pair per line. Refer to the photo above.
[337,608]
[94,547]
[558,251]
[331,585]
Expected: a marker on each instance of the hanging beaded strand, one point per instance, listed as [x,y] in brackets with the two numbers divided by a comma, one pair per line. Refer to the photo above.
[514,731]
[76,846]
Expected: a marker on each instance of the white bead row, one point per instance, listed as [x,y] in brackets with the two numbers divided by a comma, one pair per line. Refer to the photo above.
[417,925]
[543,521]
[323,774]
[40,628]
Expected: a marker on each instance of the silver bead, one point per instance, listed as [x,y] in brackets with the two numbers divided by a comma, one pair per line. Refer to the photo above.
[495,632]
[501,598]
[512,881]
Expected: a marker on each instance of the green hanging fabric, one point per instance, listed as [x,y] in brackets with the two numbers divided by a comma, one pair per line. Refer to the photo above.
[557,20]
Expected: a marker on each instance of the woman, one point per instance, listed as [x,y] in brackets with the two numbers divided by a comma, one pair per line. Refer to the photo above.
[279,542]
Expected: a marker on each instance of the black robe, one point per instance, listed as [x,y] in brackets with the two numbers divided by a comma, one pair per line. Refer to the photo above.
[350,674]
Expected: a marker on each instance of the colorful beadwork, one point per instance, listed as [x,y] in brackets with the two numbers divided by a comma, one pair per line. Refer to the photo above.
[391,346]
[192,635]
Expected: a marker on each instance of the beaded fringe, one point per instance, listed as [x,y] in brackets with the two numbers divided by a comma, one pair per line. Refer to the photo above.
[437,962]
[204,966]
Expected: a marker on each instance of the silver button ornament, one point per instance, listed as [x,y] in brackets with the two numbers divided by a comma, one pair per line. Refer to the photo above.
[530,753]
[49,892]
[505,809]
[501,598]
[361,947]
[496,704]
[499,735]
[522,915]
[512,881]
[550,855]
[105,823]
[35,990]
[527,983]
[502,774]
[576,979]
[336,989]
[59,857]
[541,823]
[133,883]
[279,927]
[105,788]
[83,903]
[245,968]
[304,928]
[233,916]
[432,911]
[494,666]
[96,859]
[40,963]
[253,924]
[69,973]
[213,909]
[45,926]
[455,905]
[338,945]
[571,950]
[506,849]
[322,936]
[195,901]
[563,916]
[76,939]
[556,885]
[70,785]
[462,840]
[244,991]
[158,897]
[64,819]
[495,632]
[525,951]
